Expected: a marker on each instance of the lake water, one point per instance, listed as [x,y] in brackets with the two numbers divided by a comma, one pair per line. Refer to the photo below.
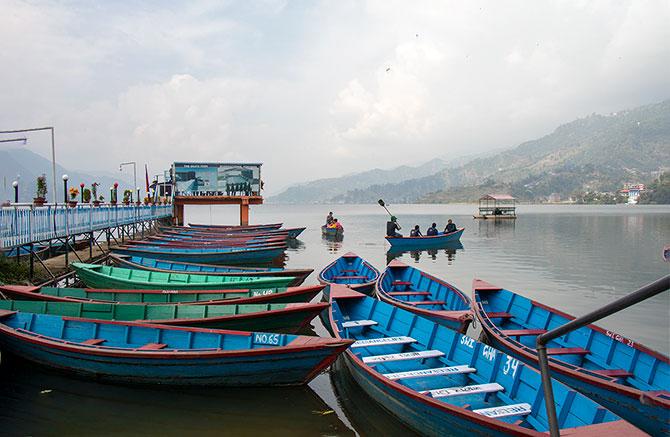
[574,258]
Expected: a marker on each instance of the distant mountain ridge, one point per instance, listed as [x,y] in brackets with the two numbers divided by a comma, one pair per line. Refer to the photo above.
[30,165]
[598,152]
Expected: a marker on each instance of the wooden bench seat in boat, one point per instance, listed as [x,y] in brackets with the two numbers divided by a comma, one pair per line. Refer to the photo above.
[152,346]
[350,277]
[613,373]
[394,283]
[500,315]
[358,323]
[438,371]
[567,351]
[383,341]
[408,293]
[522,332]
[93,341]
[427,302]
[419,355]
[505,411]
[349,271]
[491,387]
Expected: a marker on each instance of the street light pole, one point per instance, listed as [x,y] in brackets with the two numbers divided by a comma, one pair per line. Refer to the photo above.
[53,149]
[134,164]
[15,184]
[65,178]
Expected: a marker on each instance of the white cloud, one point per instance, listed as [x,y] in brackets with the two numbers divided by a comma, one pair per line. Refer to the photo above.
[292,83]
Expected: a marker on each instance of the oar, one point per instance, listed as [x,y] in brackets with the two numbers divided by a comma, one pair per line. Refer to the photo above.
[383,205]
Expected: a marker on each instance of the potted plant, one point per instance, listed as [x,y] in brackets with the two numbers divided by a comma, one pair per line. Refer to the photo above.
[41,191]
[86,195]
[147,200]
[94,193]
[113,194]
[101,199]
[126,196]
[74,192]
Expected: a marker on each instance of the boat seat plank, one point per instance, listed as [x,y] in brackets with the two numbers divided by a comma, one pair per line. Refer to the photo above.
[439,371]
[357,323]
[408,293]
[401,283]
[94,341]
[383,341]
[428,302]
[420,355]
[499,315]
[7,313]
[152,346]
[491,387]
[522,332]
[505,411]
[349,271]
[613,373]
[350,277]
[568,351]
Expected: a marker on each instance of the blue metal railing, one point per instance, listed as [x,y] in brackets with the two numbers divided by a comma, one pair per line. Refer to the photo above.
[23,224]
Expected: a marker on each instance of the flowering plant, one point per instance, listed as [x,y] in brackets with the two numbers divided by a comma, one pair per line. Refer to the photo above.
[74,192]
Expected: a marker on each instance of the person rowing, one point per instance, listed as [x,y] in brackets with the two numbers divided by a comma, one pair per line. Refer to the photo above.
[451,227]
[392,227]
[329,218]
[416,232]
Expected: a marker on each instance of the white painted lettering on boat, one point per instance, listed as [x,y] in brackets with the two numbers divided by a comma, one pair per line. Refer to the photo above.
[169,291]
[262,292]
[489,353]
[467,341]
[511,364]
[262,338]
[620,339]
[502,411]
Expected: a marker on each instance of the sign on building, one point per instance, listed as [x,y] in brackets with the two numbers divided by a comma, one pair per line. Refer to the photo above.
[216,179]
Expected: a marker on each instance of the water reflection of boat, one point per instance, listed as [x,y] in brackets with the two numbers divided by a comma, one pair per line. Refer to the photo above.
[367,417]
[334,244]
[448,249]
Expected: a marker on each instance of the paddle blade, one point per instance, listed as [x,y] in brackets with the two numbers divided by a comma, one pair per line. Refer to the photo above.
[381,202]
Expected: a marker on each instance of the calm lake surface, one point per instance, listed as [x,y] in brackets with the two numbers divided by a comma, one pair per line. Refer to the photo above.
[574,258]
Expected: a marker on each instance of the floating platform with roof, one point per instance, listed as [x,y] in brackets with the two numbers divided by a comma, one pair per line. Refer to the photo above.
[496,207]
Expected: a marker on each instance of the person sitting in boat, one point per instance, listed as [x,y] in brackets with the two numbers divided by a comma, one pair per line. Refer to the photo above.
[329,218]
[392,226]
[451,227]
[416,232]
[432,230]
[337,225]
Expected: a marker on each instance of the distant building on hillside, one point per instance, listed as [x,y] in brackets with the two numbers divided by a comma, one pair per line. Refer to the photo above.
[632,191]
[554,198]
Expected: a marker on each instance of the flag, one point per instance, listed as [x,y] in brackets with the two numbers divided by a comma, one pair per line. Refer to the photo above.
[146,177]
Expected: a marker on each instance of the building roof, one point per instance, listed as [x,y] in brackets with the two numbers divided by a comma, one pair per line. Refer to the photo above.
[497,197]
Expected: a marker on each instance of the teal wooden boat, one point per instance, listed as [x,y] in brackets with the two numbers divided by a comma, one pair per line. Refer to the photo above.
[158,265]
[200,297]
[99,276]
[275,317]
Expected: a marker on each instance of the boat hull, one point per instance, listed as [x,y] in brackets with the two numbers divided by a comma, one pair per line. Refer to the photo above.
[331,232]
[425,242]
[295,367]
[248,256]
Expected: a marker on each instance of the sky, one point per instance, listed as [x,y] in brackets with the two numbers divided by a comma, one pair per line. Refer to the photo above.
[318,89]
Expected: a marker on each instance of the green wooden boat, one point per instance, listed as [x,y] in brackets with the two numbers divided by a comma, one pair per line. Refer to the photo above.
[100,276]
[245,296]
[289,317]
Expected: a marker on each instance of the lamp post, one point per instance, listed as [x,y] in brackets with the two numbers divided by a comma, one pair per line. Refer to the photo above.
[82,192]
[15,184]
[65,178]
[53,149]
[134,164]
[116,192]
[138,196]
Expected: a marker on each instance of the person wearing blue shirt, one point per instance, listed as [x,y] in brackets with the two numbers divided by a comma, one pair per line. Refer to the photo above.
[432,230]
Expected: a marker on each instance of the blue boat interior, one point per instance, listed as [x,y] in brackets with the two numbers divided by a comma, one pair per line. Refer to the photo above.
[350,270]
[413,287]
[119,336]
[439,363]
[196,250]
[606,355]
[194,268]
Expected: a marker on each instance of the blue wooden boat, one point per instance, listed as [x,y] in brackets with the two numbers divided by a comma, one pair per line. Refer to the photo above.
[207,256]
[351,270]
[246,228]
[625,377]
[424,242]
[439,382]
[158,265]
[158,354]
[418,292]
[224,233]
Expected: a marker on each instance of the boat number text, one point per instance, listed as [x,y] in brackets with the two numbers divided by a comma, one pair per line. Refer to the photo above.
[620,339]
[489,353]
[469,342]
[510,364]
[261,292]
[169,291]
[272,339]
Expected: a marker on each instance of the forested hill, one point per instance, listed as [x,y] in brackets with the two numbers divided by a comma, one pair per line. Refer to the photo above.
[595,153]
